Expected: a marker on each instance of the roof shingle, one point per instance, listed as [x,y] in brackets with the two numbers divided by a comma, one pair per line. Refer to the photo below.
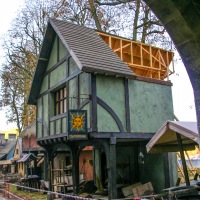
[90,50]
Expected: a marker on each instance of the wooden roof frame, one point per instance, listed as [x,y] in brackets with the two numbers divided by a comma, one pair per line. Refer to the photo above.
[143,59]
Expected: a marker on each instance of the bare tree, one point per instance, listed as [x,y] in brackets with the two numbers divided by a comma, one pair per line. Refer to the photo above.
[146,27]
[21,46]
[127,18]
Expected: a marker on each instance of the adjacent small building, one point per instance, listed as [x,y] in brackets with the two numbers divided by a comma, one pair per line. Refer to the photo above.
[8,140]
[12,133]
[7,161]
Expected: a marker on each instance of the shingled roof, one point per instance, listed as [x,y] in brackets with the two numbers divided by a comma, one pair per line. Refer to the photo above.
[29,130]
[86,47]
[89,50]
[6,147]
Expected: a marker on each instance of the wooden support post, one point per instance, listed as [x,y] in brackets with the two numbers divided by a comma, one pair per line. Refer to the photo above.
[150,60]
[167,65]
[112,169]
[131,52]
[141,55]
[167,170]
[187,181]
[121,50]
[97,168]
[50,176]
[75,170]
[181,171]
[93,103]
[192,170]
[63,176]
[159,63]
[50,164]
[45,167]
[110,42]
[188,167]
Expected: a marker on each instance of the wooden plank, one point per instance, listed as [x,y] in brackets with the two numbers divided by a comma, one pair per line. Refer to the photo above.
[159,64]
[127,191]
[132,135]
[140,190]
[131,52]
[141,56]
[123,46]
[147,67]
[110,42]
[121,53]
[150,54]
[167,67]
[162,60]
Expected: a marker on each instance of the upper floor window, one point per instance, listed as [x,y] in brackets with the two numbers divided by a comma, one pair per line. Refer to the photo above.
[60,101]
[11,136]
[2,136]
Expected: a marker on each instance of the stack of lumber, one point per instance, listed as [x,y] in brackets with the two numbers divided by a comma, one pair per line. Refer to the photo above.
[138,190]
[127,191]
[141,190]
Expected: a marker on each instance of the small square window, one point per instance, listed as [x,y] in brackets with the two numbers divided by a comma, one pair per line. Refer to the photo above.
[2,136]
[60,101]
[11,136]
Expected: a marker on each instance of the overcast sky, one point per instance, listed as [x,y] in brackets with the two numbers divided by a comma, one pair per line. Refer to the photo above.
[183,98]
[8,11]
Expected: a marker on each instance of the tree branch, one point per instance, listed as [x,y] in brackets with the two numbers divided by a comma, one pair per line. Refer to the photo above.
[118,2]
[150,22]
[156,32]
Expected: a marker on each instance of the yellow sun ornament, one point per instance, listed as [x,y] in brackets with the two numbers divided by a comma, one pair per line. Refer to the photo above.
[77,121]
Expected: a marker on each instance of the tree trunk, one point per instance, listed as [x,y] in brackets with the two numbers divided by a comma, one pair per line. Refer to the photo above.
[145,27]
[135,22]
[94,15]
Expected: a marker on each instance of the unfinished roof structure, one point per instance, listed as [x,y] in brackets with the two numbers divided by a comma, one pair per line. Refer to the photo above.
[143,59]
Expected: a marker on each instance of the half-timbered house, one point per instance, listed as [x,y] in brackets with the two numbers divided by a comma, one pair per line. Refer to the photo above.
[111,93]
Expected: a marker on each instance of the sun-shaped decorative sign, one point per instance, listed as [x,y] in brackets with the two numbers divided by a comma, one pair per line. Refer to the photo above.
[77,124]
[77,121]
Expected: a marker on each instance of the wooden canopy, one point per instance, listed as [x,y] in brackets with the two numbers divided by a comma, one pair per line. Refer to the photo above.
[165,140]
[143,59]
[175,136]
[5,162]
